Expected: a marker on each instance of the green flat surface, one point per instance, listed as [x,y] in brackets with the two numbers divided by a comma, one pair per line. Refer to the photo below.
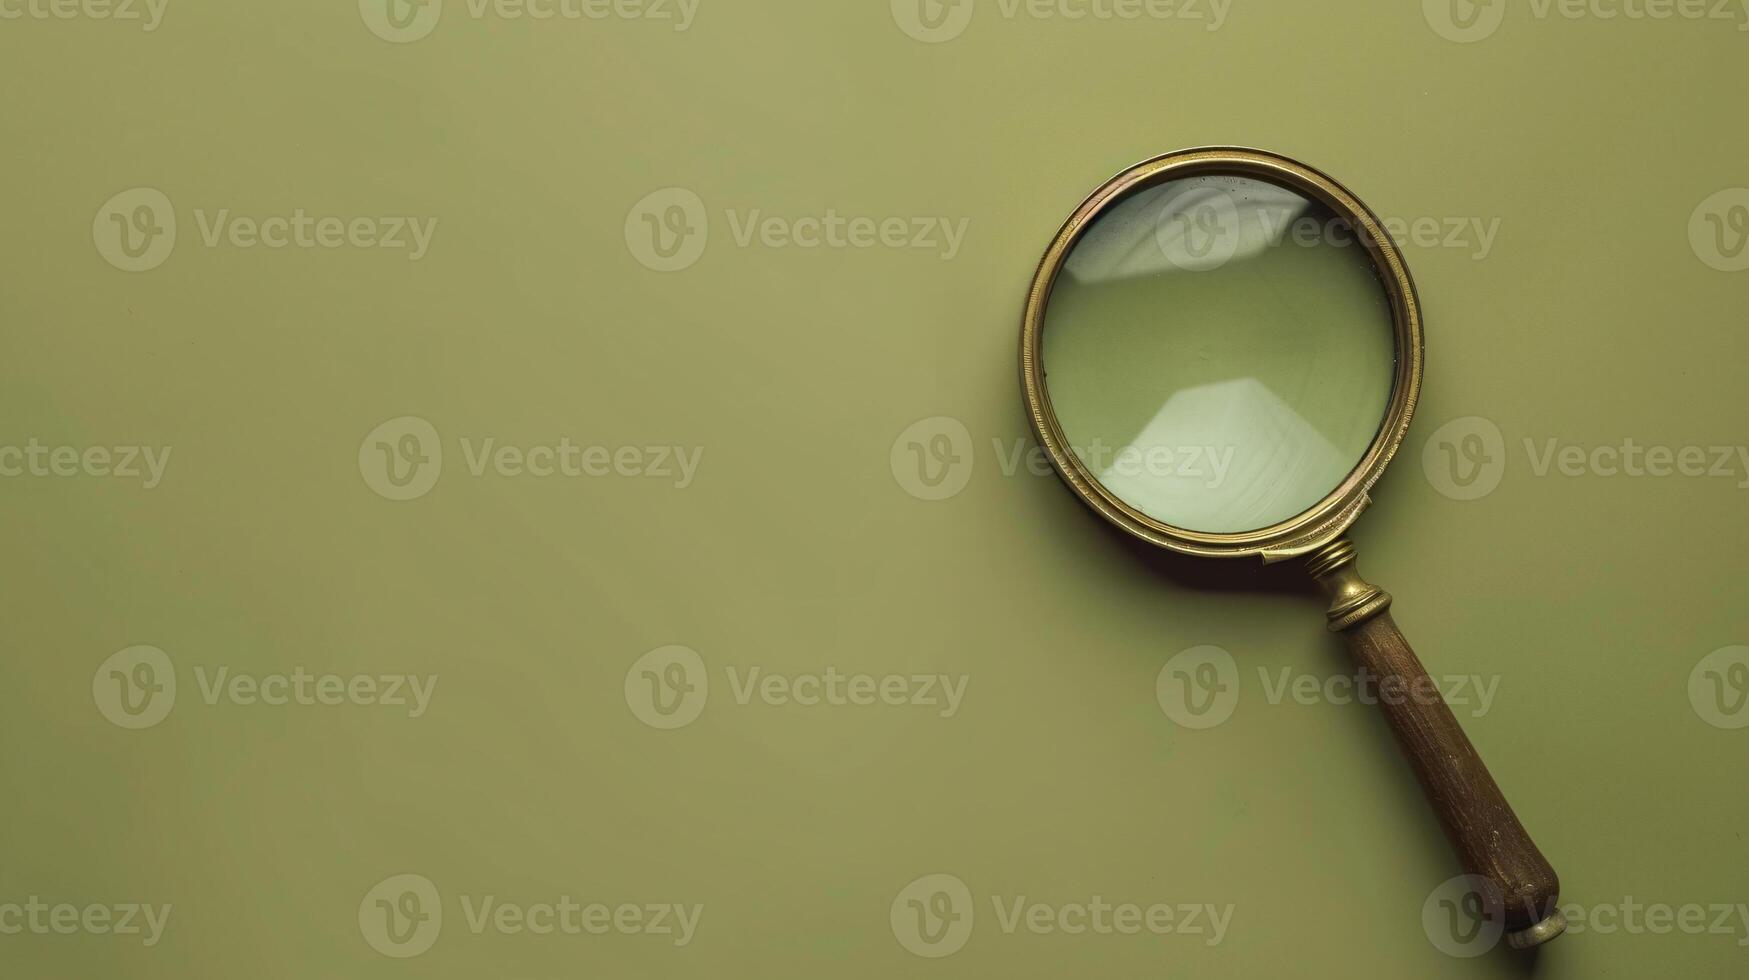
[801,542]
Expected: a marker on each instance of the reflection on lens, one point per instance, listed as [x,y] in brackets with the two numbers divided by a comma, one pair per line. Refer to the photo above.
[1219,352]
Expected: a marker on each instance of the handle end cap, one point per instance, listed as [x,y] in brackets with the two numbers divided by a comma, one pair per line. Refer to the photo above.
[1542,932]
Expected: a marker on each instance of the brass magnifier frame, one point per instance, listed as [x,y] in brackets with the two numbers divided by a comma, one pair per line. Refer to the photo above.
[1518,885]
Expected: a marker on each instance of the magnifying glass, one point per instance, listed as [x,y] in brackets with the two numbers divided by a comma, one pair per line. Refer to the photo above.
[1221,352]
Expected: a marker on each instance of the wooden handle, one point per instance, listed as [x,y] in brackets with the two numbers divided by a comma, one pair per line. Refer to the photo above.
[1490,842]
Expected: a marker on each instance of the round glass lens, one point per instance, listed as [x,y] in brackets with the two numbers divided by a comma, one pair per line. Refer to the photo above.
[1219,352]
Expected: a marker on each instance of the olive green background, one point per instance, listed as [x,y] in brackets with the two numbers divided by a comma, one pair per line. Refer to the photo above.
[1590,598]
